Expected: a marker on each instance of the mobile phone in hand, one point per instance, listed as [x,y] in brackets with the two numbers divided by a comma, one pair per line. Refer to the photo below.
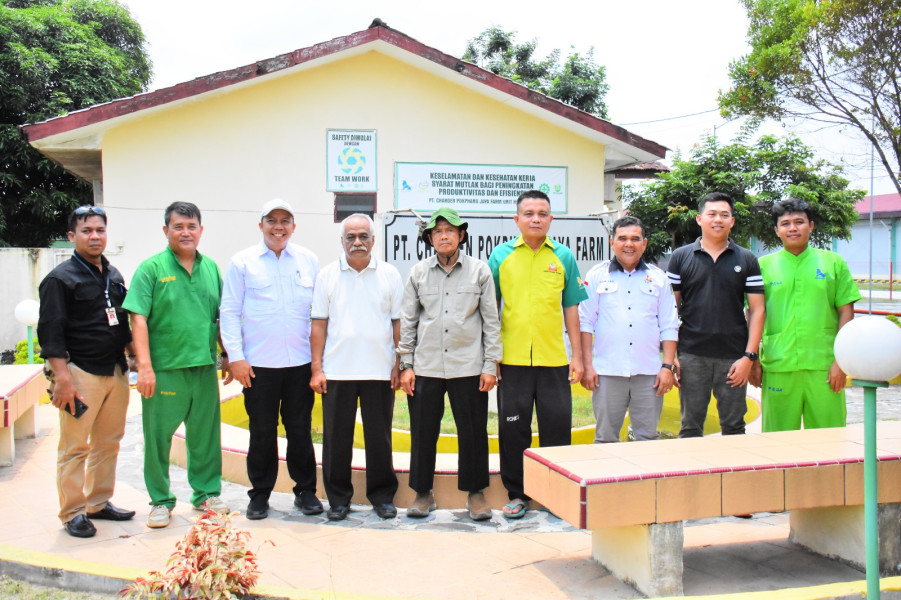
[80,408]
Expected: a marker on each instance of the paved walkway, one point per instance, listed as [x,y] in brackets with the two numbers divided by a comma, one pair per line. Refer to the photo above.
[446,556]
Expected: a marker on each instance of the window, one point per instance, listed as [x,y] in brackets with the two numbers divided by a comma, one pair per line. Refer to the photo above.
[348,204]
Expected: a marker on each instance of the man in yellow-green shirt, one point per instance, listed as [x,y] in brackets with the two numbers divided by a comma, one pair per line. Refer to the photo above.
[538,285]
[809,295]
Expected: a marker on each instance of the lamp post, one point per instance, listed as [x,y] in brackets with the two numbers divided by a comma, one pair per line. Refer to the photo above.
[868,349]
[27,313]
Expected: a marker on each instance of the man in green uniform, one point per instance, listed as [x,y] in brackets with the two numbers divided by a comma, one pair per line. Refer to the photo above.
[174,301]
[810,295]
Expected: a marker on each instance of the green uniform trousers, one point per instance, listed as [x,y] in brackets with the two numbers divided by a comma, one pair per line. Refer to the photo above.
[787,397]
[189,396]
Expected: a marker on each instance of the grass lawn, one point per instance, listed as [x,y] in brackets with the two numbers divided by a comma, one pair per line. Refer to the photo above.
[16,590]
[583,414]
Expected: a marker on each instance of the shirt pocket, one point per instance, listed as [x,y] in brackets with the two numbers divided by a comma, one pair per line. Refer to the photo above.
[430,300]
[302,294]
[467,300]
[261,296]
[606,291]
[649,288]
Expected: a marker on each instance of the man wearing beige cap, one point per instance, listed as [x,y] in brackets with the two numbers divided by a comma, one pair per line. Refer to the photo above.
[265,321]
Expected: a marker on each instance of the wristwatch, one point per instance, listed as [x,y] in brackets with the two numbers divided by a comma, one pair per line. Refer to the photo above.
[405,365]
[669,367]
[752,355]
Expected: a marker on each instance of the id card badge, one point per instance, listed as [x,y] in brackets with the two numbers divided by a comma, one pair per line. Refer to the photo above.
[111,317]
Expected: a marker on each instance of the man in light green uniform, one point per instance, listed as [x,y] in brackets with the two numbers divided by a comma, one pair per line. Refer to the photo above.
[809,295]
[174,301]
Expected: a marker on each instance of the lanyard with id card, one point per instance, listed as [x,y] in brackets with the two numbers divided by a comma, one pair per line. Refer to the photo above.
[111,317]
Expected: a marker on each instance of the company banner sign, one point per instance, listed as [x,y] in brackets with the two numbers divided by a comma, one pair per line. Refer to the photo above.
[475,188]
[585,236]
[351,164]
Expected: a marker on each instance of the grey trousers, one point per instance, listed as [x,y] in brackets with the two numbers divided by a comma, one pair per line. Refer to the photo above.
[700,376]
[614,396]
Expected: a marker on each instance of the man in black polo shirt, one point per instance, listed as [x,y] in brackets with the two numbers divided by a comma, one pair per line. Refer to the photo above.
[83,332]
[717,346]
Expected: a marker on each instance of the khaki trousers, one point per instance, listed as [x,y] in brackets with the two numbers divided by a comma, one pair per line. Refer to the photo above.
[89,446]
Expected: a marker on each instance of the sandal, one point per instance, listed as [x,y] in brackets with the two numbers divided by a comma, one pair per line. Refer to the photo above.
[517,508]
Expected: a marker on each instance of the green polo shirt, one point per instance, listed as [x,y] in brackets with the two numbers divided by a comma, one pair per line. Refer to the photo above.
[534,287]
[182,309]
[802,296]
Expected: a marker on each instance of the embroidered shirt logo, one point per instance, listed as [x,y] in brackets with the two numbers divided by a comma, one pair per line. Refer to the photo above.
[737,269]
[167,279]
[552,268]
[820,275]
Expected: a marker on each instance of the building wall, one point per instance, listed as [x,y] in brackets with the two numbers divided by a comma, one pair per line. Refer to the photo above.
[232,152]
[23,269]
[856,251]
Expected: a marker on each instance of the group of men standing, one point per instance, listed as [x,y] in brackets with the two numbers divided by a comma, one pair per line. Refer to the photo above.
[354,332]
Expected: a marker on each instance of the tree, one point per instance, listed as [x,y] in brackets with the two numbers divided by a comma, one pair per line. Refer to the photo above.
[579,82]
[834,61]
[56,56]
[755,176]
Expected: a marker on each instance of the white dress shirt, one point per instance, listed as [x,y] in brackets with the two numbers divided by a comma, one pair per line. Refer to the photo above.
[629,315]
[266,303]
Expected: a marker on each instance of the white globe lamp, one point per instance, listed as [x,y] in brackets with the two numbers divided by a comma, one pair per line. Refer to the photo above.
[869,350]
[27,312]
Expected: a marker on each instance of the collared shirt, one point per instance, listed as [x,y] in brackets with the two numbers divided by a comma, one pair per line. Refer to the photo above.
[803,294]
[713,298]
[73,322]
[182,309]
[449,325]
[534,288]
[266,302]
[360,307]
[629,315]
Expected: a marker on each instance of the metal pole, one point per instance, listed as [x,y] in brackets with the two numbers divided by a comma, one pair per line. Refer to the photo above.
[30,336]
[871,486]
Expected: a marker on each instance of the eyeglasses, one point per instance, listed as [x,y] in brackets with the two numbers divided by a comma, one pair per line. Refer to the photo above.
[83,211]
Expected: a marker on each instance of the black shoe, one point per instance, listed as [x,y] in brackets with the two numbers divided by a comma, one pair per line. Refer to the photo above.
[257,508]
[308,503]
[80,527]
[338,513]
[385,511]
[111,513]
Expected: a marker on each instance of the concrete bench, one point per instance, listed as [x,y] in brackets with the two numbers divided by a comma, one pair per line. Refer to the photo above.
[21,387]
[633,497]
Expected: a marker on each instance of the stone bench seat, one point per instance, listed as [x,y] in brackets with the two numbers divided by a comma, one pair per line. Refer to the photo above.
[633,497]
[21,388]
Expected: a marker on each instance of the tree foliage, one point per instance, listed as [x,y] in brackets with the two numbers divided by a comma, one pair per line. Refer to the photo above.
[579,81]
[836,61]
[755,176]
[56,56]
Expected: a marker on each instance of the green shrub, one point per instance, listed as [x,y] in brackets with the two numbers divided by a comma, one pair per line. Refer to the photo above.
[22,352]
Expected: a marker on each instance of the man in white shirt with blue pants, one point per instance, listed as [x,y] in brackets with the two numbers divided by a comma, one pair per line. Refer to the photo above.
[630,310]
[265,324]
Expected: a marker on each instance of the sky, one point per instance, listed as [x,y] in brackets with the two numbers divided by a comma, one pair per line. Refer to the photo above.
[664,58]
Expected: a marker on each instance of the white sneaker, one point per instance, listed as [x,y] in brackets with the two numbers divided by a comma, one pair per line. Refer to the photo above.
[158,517]
[215,504]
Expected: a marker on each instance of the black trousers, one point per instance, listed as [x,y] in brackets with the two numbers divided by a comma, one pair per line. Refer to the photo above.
[284,391]
[521,387]
[339,411]
[470,408]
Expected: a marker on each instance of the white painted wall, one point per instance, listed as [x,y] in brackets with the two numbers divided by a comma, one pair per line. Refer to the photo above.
[22,271]
[231,153]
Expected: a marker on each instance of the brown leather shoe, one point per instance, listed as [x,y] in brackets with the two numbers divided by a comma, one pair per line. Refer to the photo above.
[422,506]
[478,507]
